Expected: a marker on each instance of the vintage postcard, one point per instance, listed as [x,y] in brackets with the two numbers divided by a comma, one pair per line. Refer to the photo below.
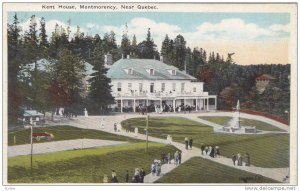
[109,94]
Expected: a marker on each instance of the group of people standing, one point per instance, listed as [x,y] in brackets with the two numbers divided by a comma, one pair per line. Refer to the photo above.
[156,167]
[138,176]
[212,151]
[239,159]
[167,158]
[188,143]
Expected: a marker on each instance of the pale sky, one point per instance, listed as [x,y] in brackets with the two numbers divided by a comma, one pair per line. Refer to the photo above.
[255,38]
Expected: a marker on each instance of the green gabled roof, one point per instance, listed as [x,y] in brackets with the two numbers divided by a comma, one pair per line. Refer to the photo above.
[140,66]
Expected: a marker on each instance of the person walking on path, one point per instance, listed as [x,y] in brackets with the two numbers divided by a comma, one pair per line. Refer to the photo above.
[126,178]
[105,178]
[179,157]
[247,159]
[114,178]
[142,175]
[169,158]
[191,143]
[176,158]
[233,159]
[115,127]
[240,159]
[186,141]
[202,147]
[217,152]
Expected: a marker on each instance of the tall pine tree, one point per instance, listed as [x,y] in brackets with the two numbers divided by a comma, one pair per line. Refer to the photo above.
[100,89]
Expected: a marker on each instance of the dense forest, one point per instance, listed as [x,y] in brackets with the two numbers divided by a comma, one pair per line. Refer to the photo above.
[60,84]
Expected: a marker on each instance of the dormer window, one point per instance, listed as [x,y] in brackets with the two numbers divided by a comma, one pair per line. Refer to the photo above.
[151,71]
[173,72]
[128,71]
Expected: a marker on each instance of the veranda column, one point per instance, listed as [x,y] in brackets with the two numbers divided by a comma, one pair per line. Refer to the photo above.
[134,105]
[207,104]
[196,104]
[121,105]
[174,101]
[216,103]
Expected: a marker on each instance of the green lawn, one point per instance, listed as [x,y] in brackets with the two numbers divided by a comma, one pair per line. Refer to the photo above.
[244,122]
[199,170]
[270,150]
[64,133]
[85,166]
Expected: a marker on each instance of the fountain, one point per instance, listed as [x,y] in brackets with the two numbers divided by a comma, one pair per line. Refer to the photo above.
[234,124]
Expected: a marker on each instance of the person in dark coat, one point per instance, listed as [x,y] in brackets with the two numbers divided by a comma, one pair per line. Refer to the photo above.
[114,178]
[179,157]
[233,159]
[240,160]
[126,178]
[142,175]
[202,148]
[212,152]
[191,143]
[247,159]
[186,141]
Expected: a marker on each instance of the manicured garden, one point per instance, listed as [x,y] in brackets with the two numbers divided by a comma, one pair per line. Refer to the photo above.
[63,133]
[243,122]
[199,170]
[269,150]
[85,166]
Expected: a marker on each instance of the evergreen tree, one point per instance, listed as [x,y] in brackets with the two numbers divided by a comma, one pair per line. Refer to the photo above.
[147,48]
[15,60]
[179,52]
[100,89]
[134,47]
[43,41]
[166,50]
[69,72]
[125,43]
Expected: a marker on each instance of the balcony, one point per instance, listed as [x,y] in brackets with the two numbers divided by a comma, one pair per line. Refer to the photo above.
[159,94]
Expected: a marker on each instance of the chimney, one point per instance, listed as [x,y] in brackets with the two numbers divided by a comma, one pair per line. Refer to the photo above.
[161,58]
[108,59]
[128,56]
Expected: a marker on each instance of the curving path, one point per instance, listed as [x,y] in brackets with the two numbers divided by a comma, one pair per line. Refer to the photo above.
[93,122]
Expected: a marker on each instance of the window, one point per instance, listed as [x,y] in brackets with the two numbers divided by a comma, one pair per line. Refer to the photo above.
[151,87]
[129,86]
[152,72]
[174,87]
[194,89]
[130,71]
[173,72]
[119,87]
[182,87]
[163,87]
[140,87]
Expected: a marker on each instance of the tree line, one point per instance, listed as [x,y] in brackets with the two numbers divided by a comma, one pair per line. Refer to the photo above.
[61,84]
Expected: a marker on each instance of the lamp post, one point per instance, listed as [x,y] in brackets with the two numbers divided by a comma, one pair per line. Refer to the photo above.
[147,125]
[31,144]
[288,114]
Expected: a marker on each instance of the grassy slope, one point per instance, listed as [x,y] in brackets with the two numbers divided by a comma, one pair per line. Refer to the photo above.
[244,122]
[64,133]
[265,150]
[199,170]
[84,166]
